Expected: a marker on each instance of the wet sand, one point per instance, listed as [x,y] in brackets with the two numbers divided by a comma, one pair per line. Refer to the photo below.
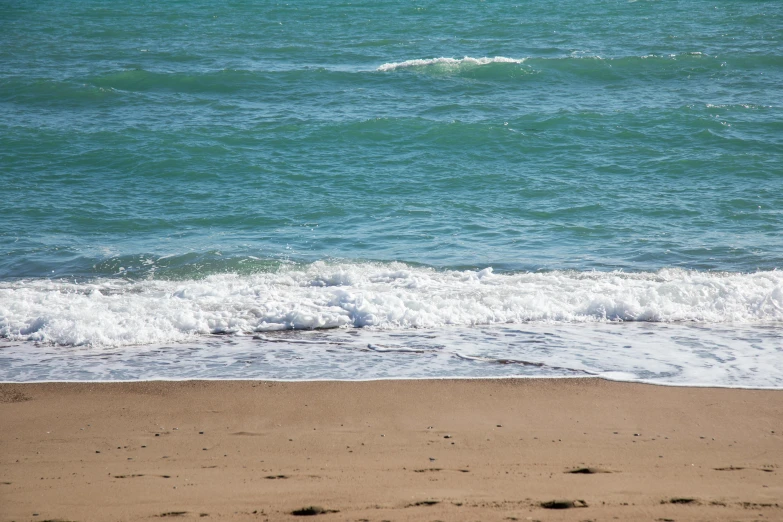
[577,449]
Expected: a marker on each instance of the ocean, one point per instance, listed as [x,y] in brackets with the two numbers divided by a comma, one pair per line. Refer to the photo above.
[392,189]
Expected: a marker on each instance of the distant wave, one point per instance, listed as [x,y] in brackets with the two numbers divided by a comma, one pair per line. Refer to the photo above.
[115,312]
[455,62]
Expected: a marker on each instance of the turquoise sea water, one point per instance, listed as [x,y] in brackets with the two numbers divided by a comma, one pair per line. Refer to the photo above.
[449,186]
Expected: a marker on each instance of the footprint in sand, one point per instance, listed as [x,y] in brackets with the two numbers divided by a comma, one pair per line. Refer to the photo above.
[587,471]
[563,504]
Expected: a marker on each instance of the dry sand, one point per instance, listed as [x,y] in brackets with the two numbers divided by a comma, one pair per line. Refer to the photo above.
[390,450]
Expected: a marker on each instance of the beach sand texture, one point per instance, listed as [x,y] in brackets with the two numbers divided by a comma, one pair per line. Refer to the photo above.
[537,449]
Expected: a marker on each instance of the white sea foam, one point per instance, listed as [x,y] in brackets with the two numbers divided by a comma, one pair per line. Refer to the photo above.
[685,354]
[114,312]
[448,62]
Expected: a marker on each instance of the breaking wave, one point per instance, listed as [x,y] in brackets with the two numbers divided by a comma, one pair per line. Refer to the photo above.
[447,62]
[117,312]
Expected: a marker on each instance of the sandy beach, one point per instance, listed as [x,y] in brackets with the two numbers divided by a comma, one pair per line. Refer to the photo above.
[576,449]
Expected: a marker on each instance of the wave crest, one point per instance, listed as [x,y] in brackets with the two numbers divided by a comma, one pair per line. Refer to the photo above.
[447,62]
[113,312]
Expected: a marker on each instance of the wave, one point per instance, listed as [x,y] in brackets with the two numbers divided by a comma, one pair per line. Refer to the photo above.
[451,64]
[647,66]
[113,86]
[117,312]
[448,63]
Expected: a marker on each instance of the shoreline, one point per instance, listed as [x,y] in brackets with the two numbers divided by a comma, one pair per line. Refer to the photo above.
[404,379]
[424,449]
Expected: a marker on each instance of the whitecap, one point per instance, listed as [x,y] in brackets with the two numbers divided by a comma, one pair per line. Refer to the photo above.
[448,62]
